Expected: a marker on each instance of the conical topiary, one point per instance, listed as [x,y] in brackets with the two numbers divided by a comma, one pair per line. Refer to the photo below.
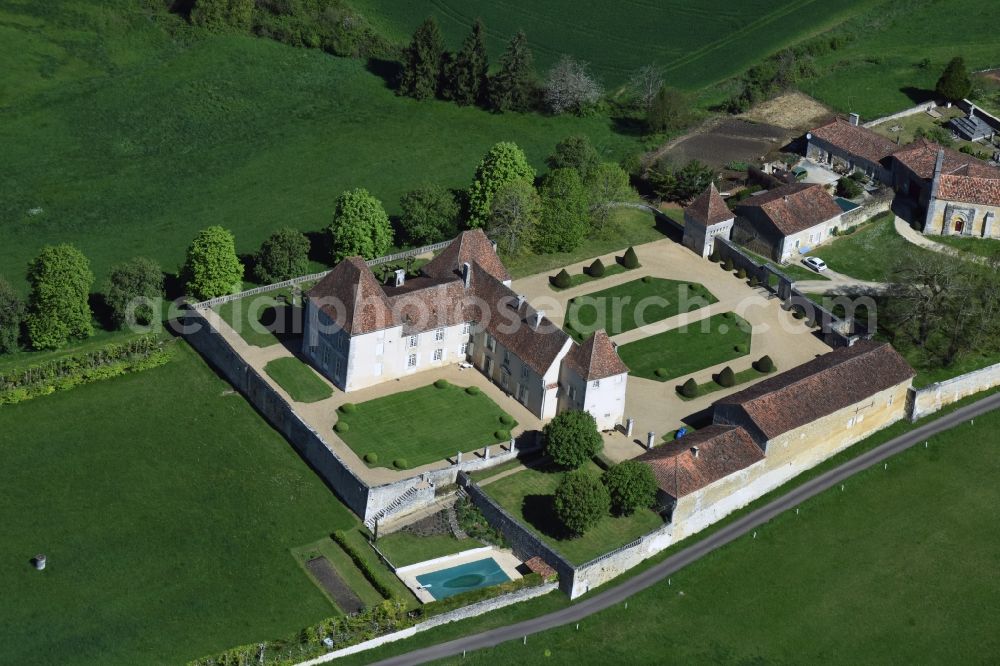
[728,264]
[596,269]
[764,364]
[630,260]
[562,280]
[726,378]
[690,388]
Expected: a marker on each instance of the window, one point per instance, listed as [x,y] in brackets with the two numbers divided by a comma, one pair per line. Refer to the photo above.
[466,327]
[465,348]
[438,354]
[524,371]
[619,379]
[413,340]
[491,342]
[336,367]
[342,342]
[596,384]
[506,357]
[439,334]
[411,361]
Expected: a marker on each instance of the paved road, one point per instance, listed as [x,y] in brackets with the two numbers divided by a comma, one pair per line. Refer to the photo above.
[730,532]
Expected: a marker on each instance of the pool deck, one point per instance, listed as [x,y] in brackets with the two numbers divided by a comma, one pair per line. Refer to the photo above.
[408,574]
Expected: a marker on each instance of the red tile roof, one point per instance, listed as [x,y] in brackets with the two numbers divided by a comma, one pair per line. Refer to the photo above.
[539,566]
[721,451]
[352,297]
[831,382]
[794,207]
[469,247]
[967,189]
[920,157]
[855,140]
[708,208]
[596,358]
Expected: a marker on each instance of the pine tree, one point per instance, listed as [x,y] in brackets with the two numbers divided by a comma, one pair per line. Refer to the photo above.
[512,87]
[422,62]
[468,80]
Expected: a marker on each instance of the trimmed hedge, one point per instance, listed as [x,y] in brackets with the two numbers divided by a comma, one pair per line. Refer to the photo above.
[506,419]
[630,260]
[62,374]
[442,383]
[472,390]
[726,377]
[371,457]
[690,388]
[401,463]
[647,278]
[764,364]
[502,435]
[348,408]
[361,563]
[341,426]
[596,269]
[660,372]
[562,280]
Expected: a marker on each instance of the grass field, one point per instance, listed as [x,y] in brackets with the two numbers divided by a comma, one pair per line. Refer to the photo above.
[528,496]
[894,569]
[634,304]
[403,548]
[261,319]
[167,508]
[424,425]
[858,254]
[696,45]
[794,270]
[980,247]
[298,379]
[687,349]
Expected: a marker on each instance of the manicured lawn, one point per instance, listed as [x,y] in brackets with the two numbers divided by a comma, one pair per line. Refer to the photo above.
[528,496]
[582,277]
[261,320]
[342,562]
[423,426]
[298,379]
[866,253]
[403,548]
[359,541]
[628,306]
[687,349]
[795,271]
[167,508]
[742,377]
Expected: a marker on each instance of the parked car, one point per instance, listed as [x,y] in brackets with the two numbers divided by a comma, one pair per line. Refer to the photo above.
[815,263]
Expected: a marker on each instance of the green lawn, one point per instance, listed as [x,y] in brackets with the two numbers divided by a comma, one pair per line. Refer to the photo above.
[687,349]
[344,565]
[793,270]
[865,254]
[262,319]
[403,548]
[359,541]
[528,496]
[742,377]
[423,425]
[980,247]
[631,305]
[167,508]
[582,277]
[298,379]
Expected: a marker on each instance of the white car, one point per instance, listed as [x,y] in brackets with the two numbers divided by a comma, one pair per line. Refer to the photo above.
[815,263]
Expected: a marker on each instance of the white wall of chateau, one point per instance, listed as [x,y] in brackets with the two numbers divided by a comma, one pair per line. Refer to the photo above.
[605,401]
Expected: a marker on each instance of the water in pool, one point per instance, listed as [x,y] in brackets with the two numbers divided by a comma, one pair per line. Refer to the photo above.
[462,578]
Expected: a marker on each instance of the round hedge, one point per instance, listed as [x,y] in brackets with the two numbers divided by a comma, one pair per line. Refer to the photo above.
[371,457]
[647,278]
[441,383]
[348,408]
[742,349]
[660,372]
[506,419]
[341,426]
[400,463]
[472,390]
[502,435]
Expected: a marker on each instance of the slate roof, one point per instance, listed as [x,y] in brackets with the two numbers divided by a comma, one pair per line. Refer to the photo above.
[971,127]
[831,382]
[708,208]
[793,208]
[469,247]
[968,189]
[351,296]
[855,140]
[722,450]
[596,358]
[920,157]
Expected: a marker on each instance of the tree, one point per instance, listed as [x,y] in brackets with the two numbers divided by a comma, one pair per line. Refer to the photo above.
[468,81]
[690,388]
[570,87]
[631,486]
[575,152]
[284,255]
[849,188]
[360,226]
[512,88]
[429,214]
[726,377]
[571,438]
[562,280]
[669,110]
[218,15]
[644,84]
[681,184]
[764,364]
[422,62]
[954,84]
[514,216]
[596,269]
[563,222]
[502,165]
[212,268]
[607,183]
[11,317]
[138,278]
[59,304]
[630,259]
[581,500]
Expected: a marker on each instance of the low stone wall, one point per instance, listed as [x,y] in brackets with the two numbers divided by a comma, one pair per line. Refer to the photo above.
[613,564]
[879,203]
[936,396]
[912,111]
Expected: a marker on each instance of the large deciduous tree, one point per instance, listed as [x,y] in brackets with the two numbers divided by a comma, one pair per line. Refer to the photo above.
[631,485]
[575,152]
[580,501]
[513,86]
[212,268]
[669,110]
[11,316]
[569,87]
[572,438]
[503,164]
[606,184]
[360,226]
[429,214]
[954,84]
[284,255]
[422,62]
[681,184]
[59,305]
[643,85]
[134,287]
[514,215]
[564,218]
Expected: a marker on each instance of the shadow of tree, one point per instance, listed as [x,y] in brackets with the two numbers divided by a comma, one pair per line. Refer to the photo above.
[387,70]
[539,511]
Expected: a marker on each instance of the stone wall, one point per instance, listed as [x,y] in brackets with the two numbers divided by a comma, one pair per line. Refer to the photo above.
[932,398]
[879,203]
[912,111]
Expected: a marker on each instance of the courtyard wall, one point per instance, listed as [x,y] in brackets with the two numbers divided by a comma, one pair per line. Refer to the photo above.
[936,396]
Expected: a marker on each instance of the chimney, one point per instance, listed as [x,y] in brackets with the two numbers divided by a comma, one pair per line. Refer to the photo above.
[855,119]
[972,110]
[520,302]
[494,244]
[786,198]
[466,274]
[537,319]
[694,451]
[400,277]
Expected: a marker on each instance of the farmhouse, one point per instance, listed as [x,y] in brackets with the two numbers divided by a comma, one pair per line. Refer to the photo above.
[787,221]
[460,309]
[846,146]
[707,217]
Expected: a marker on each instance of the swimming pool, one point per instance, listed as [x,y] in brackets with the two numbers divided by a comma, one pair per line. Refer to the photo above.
[462,578]
[846,204]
